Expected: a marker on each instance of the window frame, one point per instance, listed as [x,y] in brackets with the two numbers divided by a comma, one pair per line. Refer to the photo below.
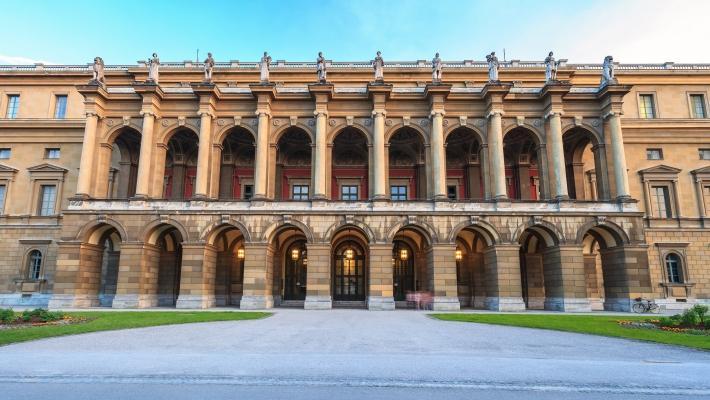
[9,153]
[8,97]
[29,265]
[701,150]
[41,201]
[661,176]
[652,149]
[679,279]
[350,186]
[399,194]
[56,104]
[301,194]
[49,150]
[654,104]
[691,108]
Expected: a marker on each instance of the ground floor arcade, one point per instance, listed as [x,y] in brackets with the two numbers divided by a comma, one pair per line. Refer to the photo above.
[196,259]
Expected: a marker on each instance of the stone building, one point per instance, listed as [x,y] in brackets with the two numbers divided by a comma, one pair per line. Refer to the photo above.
[263,188]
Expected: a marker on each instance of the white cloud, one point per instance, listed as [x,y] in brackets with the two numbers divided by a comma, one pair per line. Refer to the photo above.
[18,60]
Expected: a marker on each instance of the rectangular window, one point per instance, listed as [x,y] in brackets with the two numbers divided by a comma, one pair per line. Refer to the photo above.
[3,191]
[13,103]
[398,193]
[697,106]
[48,199]
[654,154]
[704,154]
[660,202]
[348,192]
[5,154]
[299,192]
[451,192]
[52,153]
[706,199]
[60,106]
[248,192]
[646,106]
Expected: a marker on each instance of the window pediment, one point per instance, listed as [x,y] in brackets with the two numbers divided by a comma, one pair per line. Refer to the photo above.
[660,172]
[47,171]
[7,173]
[702,173]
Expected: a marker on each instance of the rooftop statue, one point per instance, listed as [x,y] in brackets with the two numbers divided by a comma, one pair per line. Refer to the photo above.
[153,66]
[608,71]
[98,70]
[551,68]
[493,65]
[436,69]
[264,67]
[379,64]
[208,67]
[320,61]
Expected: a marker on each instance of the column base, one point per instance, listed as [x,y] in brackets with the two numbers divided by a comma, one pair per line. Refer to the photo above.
[380,303]
[618,304]
[597,304]
[195,301]
[506,304]
[441,303]
[135,301]
[380,197]
[568,304]
[60,301]
[319,197]
[536,303]
[624,199]
[318,303]
[256,302]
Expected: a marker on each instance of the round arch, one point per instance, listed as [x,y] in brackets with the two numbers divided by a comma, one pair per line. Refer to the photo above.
[227,130]
[282,129]
[538,137]
[549,233]
[113,133]
[210,233]
[608,234]
[93,231]
[423,228]
[478,134]
[337,227]
[486,230]
[152,231]
[170,131]
[330,139]
[275,227]
[389,133]
[595,136]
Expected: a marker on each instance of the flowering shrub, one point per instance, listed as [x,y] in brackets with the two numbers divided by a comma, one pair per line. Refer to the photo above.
[694,321]
[6,315]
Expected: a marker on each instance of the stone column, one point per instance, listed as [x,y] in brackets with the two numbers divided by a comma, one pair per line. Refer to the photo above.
[502,275]
[262,156]
[565,284]
[438,155]
[441,264]
[380,291]
[601,171]
[138,268]
[77,276]
[318,277]
[621,177]
[558,174]
[497,160]
[203,156]
[379,167]
[145,159]
[258,277]
[319,164]
[626,276]
[197,276]
[88,152]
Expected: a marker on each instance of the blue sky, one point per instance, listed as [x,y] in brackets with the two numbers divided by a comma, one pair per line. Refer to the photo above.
[74,31]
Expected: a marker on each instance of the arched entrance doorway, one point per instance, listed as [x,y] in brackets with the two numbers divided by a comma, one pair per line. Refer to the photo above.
[349,169]
[407,166]
[228,242]
[522,165]
[169,244]
[123,171]
[584,163]
[403,269]
[236,172]
[464,175]
[295,271]
[293,166]
[180,166]
[349,272]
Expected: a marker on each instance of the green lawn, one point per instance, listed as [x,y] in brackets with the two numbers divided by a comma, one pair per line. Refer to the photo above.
[591,324]
[108,321]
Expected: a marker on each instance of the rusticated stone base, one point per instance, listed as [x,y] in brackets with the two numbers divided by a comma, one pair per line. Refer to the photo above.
[195,301]
[380,303]
[135,301]
[318,303]
[256,302]
[18,300]
[536,303]
[446,304]
[509,304]
[62,301]
[567,304]
[597,304]
[623,305]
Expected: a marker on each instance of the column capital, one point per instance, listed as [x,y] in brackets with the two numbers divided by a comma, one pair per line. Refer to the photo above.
[610,114]
[382,113]
[206,113]
[318,113]
[493,113]
[259,113]
[435,113]
[148,113]
[90,114]
[552,114]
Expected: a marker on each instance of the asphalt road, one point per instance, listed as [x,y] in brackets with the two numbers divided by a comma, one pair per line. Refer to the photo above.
[349,354]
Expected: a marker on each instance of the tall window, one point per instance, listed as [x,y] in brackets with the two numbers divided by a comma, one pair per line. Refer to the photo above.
[48,199]
[654,154]
[52,153]
[673,268]
[34,264]
[248,192]
[646,106]
[3,192]
[348,192]
[60,107]
[451,192]
[5,154]
[697,106]
[704,154]
[660,202]
[13,103]
[299,192]
[706,197]
[398,193]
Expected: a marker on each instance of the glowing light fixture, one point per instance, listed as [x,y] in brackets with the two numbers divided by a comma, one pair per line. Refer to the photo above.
[349,254]
[459,255]
[403,255]
[240,253]
[295,254]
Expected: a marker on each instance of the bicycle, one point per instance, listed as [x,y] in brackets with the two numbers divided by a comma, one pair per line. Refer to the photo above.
[644,306]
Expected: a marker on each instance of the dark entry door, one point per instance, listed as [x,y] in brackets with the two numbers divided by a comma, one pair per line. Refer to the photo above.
[403,265]
[295,273]
[349,273]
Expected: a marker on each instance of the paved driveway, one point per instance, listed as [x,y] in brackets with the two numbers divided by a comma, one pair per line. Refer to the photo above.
[402,350]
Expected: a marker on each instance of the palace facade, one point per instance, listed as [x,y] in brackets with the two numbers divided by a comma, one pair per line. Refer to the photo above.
[513,194]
